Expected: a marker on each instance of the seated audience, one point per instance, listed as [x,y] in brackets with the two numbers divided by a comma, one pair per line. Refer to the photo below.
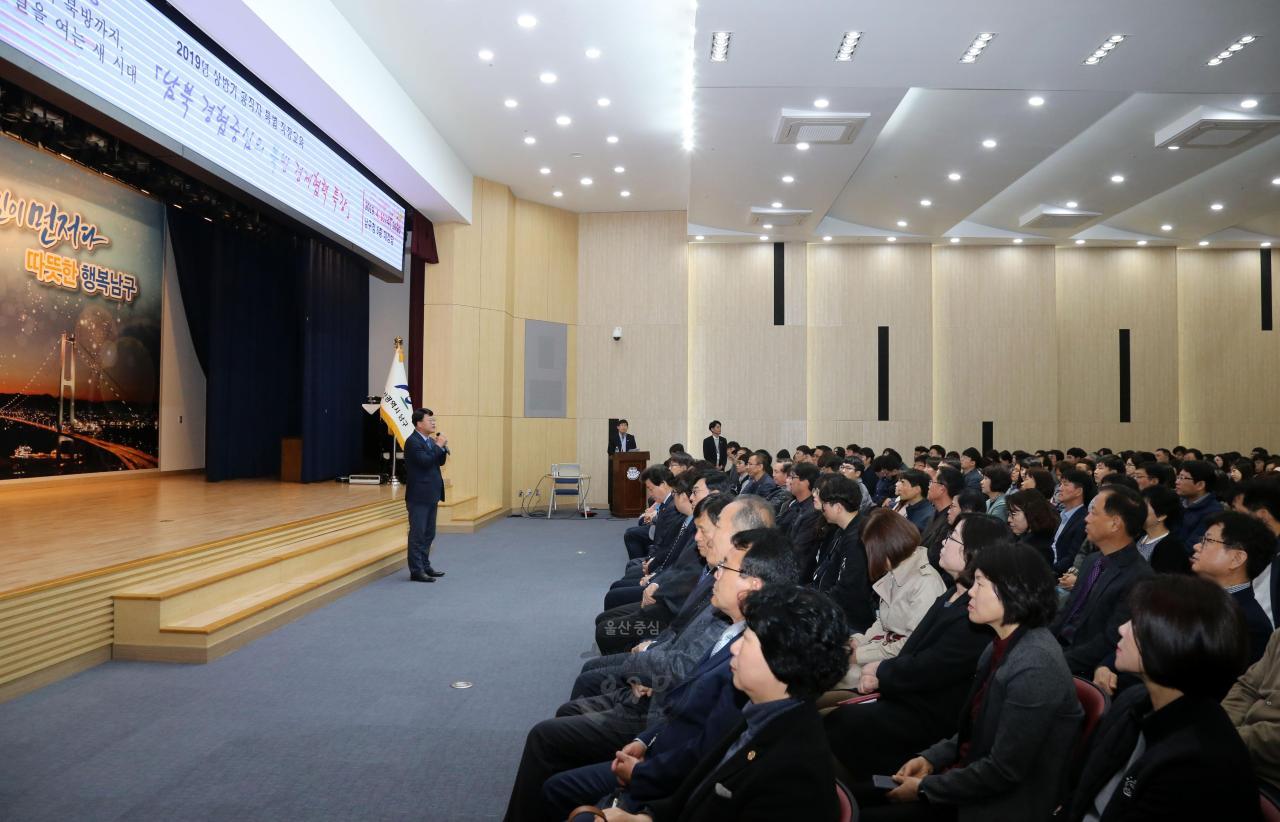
[1154,473]
[802,520]
[919,692]
[841,571]
[1040,479]
[905,582]
[1194,484]
[1262,501]
[1088,625]
[1074,495]
[1234,549]
[886,468]
[912,489]
[665,549]
[792,650]
[995,485]
[660,514]
[1158,545]
[759,480]
[1033,522]
[1253,709]
[1006,760]
[971,467]
[700,710]
[1167,750]
[853,468]
[946,486]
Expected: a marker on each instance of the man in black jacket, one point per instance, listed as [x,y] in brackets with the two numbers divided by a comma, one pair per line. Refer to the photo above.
[425,451]
[714,448]
[1088,625]
[759,479]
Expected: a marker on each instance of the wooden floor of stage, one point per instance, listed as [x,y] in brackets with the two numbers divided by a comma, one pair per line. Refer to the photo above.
[59,530]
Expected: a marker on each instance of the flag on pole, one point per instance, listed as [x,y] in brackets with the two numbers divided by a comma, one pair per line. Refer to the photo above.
[397,407]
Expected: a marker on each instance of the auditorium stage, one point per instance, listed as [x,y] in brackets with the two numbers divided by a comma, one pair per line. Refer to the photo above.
[56,530]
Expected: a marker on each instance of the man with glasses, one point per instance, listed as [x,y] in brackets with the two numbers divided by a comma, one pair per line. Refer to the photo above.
[1236,548]
[425,450]
[852,468]
[758,481]
[1194,484]
[947,483]
[1149,474]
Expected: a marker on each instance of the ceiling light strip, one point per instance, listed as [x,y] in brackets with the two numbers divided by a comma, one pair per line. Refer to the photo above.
[1103,51]
[978,46]
[1231,50]
[848,45]
[720,45]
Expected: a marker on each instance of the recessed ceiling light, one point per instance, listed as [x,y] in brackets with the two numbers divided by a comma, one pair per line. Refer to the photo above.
[547,77]
[1017,241]
[593,53]
[1275,181]
[1266,244]
[1215,207]
[802,146]
[976,48]
[1166,227]
[485,55]
[563,120]
[603,102]
[823,102]
[557,193]
[526,21]
[699,237]
[1036,101]
[826,238]
[775,204]
[619,169]
[891,239]
[1174,148]
[1142,242]
[848,45]
[530,140]
[955,239]
[1108,46]
[787,178]
[510,102]
[767,226]
[989,143]
[1117,178]
[926,203]
[624,193]
[1072,204]
[586,181]
[1232,49]
[902,223]
[1079,242]
[611,139]
[720,45]
[544,170]
[1203,242]
[1249,103]
[954,176]
[764,237]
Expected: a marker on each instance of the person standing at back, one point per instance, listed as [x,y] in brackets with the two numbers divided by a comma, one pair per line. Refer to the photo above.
[425,450]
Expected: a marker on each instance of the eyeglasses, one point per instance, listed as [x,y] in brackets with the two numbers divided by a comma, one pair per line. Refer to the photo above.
[1185,478]
[1233,545]
[724,565]
[959,542]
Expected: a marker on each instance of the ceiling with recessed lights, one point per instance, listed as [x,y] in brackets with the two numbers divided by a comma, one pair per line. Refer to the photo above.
[996,114]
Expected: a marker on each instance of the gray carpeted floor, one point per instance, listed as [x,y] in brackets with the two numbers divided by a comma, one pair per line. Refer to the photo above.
[344,714]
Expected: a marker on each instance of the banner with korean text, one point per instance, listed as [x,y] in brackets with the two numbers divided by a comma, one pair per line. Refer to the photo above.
[81,261]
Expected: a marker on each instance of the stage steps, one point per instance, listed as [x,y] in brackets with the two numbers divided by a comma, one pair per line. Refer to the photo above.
[198,614]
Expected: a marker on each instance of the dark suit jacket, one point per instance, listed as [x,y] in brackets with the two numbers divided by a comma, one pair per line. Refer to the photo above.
[663,555]
[1105,609]
[921,514]
[784,773]
[1069,542]
[842,574]
[422,459]
[1041,543]
[1255,621]
[762,488]
[698,712]
[1019,742]
[801,521]
[615,442]
[666,523]
[1195,765]
[1170,556]
[709,451]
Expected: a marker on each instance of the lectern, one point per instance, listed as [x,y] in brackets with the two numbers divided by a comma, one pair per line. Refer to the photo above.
[628,490]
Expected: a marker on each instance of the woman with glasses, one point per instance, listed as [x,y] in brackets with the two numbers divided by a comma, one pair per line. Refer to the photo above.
[1167,750]
[1016,728]
[1033,521]
[917,693]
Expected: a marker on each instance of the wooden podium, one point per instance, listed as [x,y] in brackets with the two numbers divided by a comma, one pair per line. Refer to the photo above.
[628,498]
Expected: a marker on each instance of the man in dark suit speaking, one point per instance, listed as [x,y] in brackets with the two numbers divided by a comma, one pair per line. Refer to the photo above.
[714,448]
[425,451]
[620,440]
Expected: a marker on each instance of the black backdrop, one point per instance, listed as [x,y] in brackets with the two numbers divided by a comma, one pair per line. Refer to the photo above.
[280,325]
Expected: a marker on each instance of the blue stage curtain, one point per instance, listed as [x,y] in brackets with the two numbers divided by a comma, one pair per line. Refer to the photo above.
[280,326]
[334,288]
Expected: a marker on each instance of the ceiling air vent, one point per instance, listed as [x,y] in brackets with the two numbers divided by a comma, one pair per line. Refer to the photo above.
[778,217]
[818,127]
[1047,216]
[1206,127]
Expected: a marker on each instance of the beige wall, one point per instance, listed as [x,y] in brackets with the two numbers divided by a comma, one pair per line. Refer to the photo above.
[515,261]
[632,272]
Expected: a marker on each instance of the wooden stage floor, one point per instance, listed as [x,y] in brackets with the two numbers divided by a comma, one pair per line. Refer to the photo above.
[57,530]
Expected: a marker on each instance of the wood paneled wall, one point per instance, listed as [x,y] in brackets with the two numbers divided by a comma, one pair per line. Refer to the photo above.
[1229,394]
[632,272]
[515,261]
